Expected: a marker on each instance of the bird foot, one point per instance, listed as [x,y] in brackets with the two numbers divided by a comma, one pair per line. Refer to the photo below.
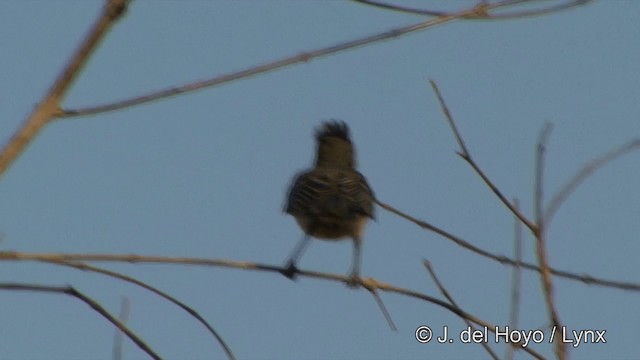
[354,281]
[290,272]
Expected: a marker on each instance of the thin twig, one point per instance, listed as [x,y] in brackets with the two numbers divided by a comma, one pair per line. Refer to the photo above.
[587,170]
[543,262]
[129,279]
[481,16]
[125,307]
[464,153]
[367,283]
[382,307]
[71,291]
[466,156]
[49,106]
[539,12]
[516,279]
[373,283]
[446,294]
[584,278]
[252,71]
[543,138]
[399,8]
[246,265]
[476,10]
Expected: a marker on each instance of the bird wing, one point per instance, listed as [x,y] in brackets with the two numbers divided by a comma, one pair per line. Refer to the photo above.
[330,192]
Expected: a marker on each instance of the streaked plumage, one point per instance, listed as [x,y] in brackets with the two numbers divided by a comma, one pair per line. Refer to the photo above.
[332,200]
[327,202]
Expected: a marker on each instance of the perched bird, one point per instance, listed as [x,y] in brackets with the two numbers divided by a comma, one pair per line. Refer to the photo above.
[331,200]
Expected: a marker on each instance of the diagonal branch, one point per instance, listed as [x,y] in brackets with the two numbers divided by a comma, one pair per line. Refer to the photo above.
[256,70]
[587,170]
[479,10]
[585,278]
[516,280]
[372,283]
[369,284]
[565,5]
[71,291]
[466,156]
[49,106]
[125,308]
[545,273]
[382,307]
[446,294]
[131,280]
[400,8]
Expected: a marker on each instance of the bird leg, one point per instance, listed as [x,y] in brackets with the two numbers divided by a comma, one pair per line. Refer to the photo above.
[291,270]
[354,282]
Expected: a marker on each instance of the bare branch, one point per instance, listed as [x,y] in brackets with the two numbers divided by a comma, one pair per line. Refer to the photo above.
[49,106]
[567,5]
[585,278]
[464,153]
[545,273]
[125,307]
[405,9]
[255,70]
[517,277]
[372,283]
[474,11]
[382,307]
[483,15]
[446,294]
[368,283]
[587,170]
[129,279]
[543,137]
[69,290]
[466,156]
[246,265]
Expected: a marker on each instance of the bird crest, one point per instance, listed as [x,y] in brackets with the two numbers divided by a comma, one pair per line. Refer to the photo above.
[333,128]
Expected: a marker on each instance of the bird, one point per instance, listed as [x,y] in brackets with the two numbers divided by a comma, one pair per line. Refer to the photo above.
[331,200]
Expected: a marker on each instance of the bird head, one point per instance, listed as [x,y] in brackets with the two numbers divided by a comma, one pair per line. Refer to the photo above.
[334,145]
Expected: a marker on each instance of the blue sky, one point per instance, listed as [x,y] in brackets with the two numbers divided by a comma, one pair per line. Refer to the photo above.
[205,174]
